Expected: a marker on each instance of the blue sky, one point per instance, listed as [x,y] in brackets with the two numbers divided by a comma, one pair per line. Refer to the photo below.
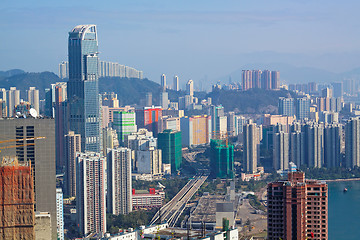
[193,39]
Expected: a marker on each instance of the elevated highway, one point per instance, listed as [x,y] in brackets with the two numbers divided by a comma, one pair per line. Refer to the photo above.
[171,211]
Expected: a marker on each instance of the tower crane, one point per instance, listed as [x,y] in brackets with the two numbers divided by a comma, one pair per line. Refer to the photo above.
[20,145]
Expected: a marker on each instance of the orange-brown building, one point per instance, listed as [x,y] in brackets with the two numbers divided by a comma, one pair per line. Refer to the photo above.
[196,130]
[297,208]
[148,118]
[17,218]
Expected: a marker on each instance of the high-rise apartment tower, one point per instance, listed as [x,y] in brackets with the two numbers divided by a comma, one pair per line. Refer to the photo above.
[119,190]
[90,193]
[72,146]
[163,82]
[297,208]
[176,83]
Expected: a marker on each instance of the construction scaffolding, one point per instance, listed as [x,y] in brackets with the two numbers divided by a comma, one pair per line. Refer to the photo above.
[17,218]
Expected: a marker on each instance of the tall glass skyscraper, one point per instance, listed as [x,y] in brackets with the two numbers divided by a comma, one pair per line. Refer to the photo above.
[83,89]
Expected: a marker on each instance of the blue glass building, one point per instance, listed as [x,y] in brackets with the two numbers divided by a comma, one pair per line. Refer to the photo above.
[83,86]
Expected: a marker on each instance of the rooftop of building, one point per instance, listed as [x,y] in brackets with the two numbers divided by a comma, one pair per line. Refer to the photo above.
[298,178]
[80,31]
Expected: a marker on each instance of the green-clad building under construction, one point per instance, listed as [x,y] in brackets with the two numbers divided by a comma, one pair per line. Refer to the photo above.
[169,142]
[221,159]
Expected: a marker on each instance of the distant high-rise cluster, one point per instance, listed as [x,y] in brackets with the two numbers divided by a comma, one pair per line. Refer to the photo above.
[310,144]
[324,108]
[12,105]
[111,69]
[106,69]
[260,79]
[299,107]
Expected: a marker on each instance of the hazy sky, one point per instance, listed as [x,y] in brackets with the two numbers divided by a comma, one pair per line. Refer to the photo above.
[195,39]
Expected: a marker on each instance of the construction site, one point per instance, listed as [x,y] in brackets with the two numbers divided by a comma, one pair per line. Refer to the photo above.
[17,218]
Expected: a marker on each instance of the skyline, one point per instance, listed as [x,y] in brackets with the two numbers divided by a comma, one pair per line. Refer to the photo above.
[162,37]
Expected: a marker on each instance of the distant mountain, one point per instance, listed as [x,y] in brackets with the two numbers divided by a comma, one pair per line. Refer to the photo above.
[129,91]
[11,72]
[25,80]
[354,73]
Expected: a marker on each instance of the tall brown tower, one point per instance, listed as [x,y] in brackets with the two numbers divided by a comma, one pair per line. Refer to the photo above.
[17,217]
[298,208]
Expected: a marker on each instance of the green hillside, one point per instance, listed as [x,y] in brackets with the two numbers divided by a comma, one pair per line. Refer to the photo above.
[130,90]
[25,80]
[251,101]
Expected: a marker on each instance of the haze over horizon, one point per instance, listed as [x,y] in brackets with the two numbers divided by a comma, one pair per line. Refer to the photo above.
[202,40]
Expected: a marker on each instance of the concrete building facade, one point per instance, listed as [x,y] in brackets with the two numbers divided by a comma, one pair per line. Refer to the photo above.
[73,145]
[90,193]
[352,143]
[286,106]
[251,140]
[61,124]
[35,140]
[149,161]
[119,190]
[13,99]
[33,98]
[281,151]
[169,122]
[60,214]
